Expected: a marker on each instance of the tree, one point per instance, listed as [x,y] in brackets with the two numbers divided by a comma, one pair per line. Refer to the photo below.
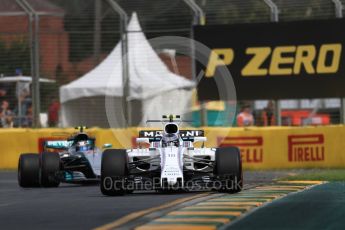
[14,55]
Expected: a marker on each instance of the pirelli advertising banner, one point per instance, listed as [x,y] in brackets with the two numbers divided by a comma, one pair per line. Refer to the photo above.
[278,148]
[261,148]
[285,60]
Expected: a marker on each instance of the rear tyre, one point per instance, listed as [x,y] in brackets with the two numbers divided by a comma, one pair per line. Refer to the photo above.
[114,172]
[229,169]
[49,169]
[28,170]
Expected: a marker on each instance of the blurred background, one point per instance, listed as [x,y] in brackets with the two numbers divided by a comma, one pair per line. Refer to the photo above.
[47,44]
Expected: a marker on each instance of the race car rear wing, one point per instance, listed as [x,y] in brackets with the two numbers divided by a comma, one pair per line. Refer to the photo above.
[156,135]
[57,144]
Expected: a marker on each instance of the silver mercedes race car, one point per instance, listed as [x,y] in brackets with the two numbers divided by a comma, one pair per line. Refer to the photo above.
[75,160]
[168,160]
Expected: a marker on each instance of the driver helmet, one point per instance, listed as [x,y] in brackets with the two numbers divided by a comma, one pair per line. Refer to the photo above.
[83,146]
[170,138]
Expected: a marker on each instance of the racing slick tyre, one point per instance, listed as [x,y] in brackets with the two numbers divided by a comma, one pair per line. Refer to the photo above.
[229,169]
[49,168]
[114,171]
[28,170]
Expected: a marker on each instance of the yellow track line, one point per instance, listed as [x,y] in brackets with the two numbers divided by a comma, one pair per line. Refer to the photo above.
[283,186]
[205,210]
[207,207]
[198,213]
[233,201]
[138,214]
[258,197]
[245,203]
[311,182]
[276,189]
[240,199]
[220,220]
[176,227]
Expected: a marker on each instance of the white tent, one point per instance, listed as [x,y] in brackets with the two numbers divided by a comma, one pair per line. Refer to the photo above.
[154,90]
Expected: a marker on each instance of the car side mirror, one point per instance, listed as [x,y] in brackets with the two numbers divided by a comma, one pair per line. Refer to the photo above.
[143,140]
[106,146]
[200,139]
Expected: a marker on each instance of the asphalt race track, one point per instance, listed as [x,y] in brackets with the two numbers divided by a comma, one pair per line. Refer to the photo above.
[67,207]
[77,207]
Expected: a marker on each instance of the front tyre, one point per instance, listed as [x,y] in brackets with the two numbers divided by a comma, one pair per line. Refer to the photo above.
[114,172]
[229,169]
[49,169]
[28,170]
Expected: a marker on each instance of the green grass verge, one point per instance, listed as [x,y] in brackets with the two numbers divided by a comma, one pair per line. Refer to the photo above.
[319,174]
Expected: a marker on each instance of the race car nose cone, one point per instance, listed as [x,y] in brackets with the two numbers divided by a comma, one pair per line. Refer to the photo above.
[172,181]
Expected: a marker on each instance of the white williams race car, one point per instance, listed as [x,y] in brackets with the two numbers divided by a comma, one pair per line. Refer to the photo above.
[167,160]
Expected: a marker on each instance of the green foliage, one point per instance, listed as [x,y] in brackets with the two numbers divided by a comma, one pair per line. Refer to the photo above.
[173,17]
[79,23]
[15,55]
[305,10]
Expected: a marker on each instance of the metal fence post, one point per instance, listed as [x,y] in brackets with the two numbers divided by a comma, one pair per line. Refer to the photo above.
[342,111]
[35,60]
[274,10]
[97,34]
[36,79]
[199,15]
[339,14]
[31,39]
[338,8]
[275,18]
[124,47]
[198,19]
